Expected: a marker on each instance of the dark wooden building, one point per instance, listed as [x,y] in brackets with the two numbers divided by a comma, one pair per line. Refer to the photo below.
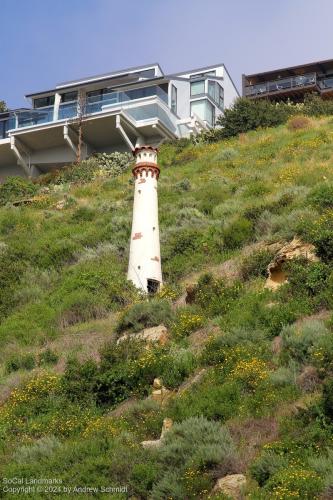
[291,83]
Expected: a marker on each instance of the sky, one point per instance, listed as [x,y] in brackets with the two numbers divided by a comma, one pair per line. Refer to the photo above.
[44,42]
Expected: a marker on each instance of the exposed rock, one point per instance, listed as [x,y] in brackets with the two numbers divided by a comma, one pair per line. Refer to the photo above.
[277,345]
[296,248]
[231,485]
[155,334]
[167,424]
[60,205]
[156,443]
[160,395]
[157,384]
[308,379]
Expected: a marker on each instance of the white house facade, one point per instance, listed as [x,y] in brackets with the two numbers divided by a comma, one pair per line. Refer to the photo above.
[120,111]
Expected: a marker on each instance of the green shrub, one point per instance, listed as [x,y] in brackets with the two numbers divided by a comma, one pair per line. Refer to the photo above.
[144,315]
[169,486]
[83,214]
[210,196]
[323,241]
[182,242]
[42,449]
[237,233]
[246,114]
[298,341]
[226,154]
[328,398]
[24,361]
[48,357]
[314,105]
[114,163]
[126,369]
[177,366]
[256,264]
[295,482]
[196,444]
[321,196]
[266,465]
[214,296]
[323,465]
[143,476]
[186,322]
[80,380]
[11,271]
[306,278]
[210,398]
[146,417]
[283,376]
[110,164]
[183,185]
[16,188]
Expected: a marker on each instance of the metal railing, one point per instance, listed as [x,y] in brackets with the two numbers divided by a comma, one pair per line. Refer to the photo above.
[294,82]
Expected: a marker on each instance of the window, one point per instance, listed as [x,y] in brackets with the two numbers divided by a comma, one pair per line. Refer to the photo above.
[221,97]
[41,102]
[197,87]
[204,110]
[146,73]
[69,96]
[200,75]
[174,99]
[216,92]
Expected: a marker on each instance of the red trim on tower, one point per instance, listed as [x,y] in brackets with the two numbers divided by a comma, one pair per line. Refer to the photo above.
[147,167]
[147,148]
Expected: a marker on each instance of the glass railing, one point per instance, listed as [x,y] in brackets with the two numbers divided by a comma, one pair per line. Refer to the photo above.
[326,83]
[282,84]
[67,110]
[151,111]
[34,117]
[97,103]
[94,104]
[6,125]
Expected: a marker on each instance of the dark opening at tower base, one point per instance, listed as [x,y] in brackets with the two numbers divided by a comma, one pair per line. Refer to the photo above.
[153,286]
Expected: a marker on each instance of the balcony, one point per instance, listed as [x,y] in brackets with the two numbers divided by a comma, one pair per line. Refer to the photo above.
[282,86]
[326,87]
[92,104]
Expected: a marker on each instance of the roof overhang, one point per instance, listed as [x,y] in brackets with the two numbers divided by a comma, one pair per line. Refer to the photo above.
[319,66]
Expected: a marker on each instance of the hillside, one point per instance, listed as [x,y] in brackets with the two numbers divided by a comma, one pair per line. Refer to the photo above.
[247,372]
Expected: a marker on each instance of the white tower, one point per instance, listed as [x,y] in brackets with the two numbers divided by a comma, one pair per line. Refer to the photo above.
[144,268]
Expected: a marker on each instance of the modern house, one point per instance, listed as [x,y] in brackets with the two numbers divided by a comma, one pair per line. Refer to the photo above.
[291,83]
[118,111]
